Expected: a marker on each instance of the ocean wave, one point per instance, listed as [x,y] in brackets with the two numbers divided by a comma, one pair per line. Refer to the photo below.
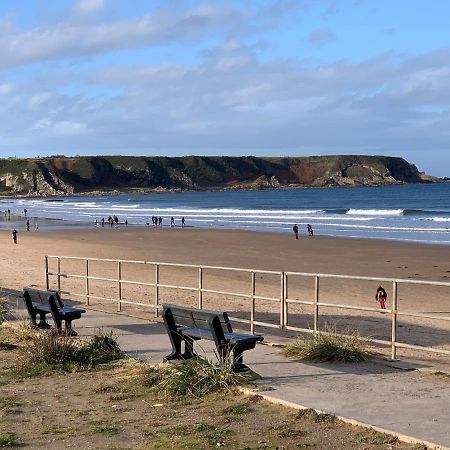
[438,219]
[376,212]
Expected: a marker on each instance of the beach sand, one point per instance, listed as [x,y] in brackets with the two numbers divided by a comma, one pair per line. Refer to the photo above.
[23,265]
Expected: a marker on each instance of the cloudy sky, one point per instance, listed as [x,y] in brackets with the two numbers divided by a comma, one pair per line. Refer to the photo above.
[269,77]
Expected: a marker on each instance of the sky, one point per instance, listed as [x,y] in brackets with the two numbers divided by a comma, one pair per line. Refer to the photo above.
[263,78]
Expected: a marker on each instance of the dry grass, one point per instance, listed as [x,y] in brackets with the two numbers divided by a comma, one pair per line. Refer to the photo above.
[328,345]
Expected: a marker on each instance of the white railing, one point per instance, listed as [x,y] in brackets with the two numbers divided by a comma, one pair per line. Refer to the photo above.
[282,299]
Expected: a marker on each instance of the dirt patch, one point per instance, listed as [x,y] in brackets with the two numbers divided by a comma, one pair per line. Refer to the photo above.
[111,407]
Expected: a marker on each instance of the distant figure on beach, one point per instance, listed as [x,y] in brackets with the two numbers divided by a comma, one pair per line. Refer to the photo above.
[154,221]
[25,212]
[126,222]
[36,227]
[103,221]
[310,230]
[160,221]
[183,222]
[28,224]
[381,297]
[295,230]
[9,212]
[172,222]
[116,220]
[96,223]
[14,236]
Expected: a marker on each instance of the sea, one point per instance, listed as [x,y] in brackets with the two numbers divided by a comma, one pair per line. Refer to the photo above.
[410,212]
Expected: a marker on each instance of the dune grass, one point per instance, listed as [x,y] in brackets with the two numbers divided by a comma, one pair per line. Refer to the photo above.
[330,346]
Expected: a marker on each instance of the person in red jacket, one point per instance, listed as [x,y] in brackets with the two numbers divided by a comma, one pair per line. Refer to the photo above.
[381,297]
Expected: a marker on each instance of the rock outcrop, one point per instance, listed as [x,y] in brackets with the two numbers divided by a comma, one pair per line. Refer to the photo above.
[66,176]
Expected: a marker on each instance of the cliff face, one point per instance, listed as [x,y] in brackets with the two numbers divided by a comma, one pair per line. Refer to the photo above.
[65,176]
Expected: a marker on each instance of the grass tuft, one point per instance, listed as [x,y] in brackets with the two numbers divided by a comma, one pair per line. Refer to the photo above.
[48,351]
[329,346]
[8,440]
[374,437]
[3,309]
[193,377]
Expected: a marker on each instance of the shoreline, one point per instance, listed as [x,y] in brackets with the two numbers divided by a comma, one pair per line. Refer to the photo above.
[71,226]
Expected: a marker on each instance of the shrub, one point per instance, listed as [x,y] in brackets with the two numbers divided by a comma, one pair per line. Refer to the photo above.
[329,346]
[49,348]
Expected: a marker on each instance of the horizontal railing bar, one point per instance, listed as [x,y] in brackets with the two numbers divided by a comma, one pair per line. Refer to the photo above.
[183,288]
[357,308]
[359,277]
[115,300]
[419,347]
[139,283]
[300,302]
[166,264]
[269,299]
[424,315]
[237,269]
[234,294]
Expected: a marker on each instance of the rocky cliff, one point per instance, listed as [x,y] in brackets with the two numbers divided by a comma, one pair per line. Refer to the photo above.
[65,176]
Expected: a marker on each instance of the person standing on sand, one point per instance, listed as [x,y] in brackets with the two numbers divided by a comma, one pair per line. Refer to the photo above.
[160,221]
[183,222]
[28,224]
[381,297]
[14,236]
[172,222]
[36,226]
[295,230]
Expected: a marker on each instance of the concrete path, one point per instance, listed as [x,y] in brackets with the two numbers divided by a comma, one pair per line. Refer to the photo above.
[403,402]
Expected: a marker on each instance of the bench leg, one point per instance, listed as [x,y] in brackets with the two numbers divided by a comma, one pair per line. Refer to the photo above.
[42,322]
[68,328]
[188,348]
[238,359]
[175,340]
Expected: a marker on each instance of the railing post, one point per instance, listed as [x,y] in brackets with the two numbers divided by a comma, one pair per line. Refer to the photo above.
[394,321]
[119,286]
[156,289]
[200,287]
[59,276]
[286,312]
[282,300]
[316,303]
[47,282]
[252,303]
[87,282]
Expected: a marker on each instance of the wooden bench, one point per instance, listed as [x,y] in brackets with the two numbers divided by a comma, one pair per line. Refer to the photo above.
[188,325]
[49,302]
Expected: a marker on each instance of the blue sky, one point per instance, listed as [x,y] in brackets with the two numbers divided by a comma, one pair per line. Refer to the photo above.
[278,78]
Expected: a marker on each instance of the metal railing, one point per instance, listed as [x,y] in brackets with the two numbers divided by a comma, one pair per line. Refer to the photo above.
[282,299]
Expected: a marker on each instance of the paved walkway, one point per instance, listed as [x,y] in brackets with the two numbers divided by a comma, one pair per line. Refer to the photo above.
[403,402]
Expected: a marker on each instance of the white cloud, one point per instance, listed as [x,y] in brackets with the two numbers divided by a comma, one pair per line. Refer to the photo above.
[6,88]
[59,128]
[88,6]
[37,100]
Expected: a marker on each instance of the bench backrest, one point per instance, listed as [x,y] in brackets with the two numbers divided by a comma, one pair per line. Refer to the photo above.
[31,296]
[217,322]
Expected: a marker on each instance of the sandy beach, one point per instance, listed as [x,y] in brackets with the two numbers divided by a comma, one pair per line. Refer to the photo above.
[23,264]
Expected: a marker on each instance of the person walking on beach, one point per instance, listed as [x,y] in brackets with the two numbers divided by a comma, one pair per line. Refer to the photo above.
[36,227]
[160,221]
[103,221]
[381,297]
[183,222]
[14,236]
[310,230]
[28,224]
[172,222]
[295,230]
